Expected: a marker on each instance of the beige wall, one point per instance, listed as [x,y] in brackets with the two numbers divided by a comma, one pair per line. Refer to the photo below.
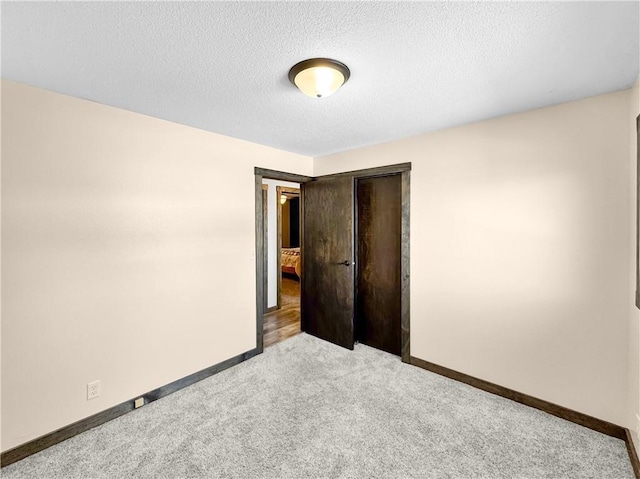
[520,249]
[634,317]
[117,251]
[123,259]
[1,443]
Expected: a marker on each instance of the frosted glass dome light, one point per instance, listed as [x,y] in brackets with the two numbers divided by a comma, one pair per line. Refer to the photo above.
[319,77]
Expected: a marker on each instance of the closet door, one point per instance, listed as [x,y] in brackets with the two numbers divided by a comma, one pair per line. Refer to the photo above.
[378,297]
[327,260]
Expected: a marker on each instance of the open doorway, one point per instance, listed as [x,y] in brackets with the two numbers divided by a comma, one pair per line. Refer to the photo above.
[354,257]
[282,260]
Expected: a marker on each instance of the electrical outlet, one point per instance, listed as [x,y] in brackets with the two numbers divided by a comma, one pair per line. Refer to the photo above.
[138,403]
[93,390]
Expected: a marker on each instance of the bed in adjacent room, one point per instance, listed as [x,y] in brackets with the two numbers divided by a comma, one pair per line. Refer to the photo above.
[291,261]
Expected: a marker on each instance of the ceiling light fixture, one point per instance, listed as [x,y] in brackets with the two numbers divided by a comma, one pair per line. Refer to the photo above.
[319,77]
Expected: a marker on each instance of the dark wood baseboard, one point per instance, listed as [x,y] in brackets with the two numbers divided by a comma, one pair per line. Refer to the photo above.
[55,437]
[48,440]
[271,309]
[633,454]
[585,420]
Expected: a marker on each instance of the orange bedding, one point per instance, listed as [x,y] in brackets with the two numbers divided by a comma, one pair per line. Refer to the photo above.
[291,260]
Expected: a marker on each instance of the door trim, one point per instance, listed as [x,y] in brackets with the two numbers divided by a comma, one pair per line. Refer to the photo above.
[281,175]
[405,170]
[405,259]
[369,172]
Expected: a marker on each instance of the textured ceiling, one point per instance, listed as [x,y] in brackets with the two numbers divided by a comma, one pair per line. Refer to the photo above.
[416,67]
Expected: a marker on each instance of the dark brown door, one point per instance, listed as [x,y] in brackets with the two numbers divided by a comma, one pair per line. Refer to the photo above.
[327,269]
[378,296]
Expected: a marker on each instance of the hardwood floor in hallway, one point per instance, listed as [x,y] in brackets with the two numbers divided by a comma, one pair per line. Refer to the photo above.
[284,322]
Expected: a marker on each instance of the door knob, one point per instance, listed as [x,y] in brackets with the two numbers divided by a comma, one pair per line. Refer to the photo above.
[346,262]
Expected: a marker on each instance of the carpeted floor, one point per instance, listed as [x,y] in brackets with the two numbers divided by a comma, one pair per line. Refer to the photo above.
[309,409]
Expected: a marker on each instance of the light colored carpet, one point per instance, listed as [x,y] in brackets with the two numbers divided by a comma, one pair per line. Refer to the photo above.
[309,409]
